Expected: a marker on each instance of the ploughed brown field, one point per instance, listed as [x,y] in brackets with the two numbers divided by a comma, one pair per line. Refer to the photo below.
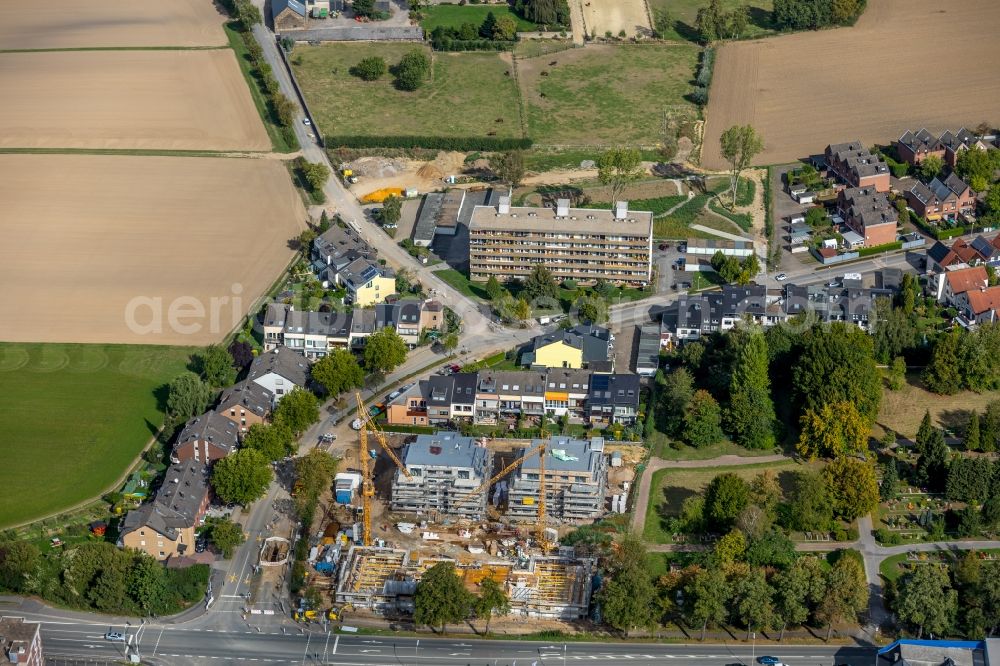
[167,100]
[64,24]
[82,236]
[907,64]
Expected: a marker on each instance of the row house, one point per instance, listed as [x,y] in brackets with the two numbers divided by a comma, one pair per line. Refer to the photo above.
[280,371]
[316,334]
[962,253]
[164,527]
[245,404]
[915,147]
[205,439]
[869,213]
[857,166]
[488,397]
[954,282]
[946,199]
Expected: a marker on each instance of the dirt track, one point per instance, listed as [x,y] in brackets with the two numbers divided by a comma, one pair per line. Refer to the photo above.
[907,64]
[601,16]
[83,235]
[63,24]
[172,100]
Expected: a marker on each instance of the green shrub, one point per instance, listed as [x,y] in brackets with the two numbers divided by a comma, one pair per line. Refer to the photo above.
[888,247]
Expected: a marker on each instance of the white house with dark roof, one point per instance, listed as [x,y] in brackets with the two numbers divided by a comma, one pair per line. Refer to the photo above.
[280,371]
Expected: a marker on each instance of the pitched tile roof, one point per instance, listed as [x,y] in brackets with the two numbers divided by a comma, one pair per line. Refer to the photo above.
[283,362]
[210,427]
[247,394]
[967,279]
[984,300]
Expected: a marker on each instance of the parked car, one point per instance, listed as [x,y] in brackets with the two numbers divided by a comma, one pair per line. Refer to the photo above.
[200,546]
[664,246]
[780,277]
[454,367]
[114,636]
[327,437]
[833,283]
[305,121]
[769,661]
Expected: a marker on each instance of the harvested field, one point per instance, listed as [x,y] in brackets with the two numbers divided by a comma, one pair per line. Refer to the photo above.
[85,235]
[606,95]
[614,16]
[167,100]
[807,90]
[68,24]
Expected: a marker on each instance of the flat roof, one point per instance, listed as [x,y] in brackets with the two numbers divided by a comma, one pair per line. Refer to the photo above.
[444,449]
[578,220]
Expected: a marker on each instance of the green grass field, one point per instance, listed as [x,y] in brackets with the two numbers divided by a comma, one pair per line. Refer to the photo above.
[670,487]
[606,95]
[73,418]
[453,16]
[466,95]
[684,12]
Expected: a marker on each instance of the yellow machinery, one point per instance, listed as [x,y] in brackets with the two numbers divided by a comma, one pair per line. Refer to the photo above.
[367,464]
[540,451]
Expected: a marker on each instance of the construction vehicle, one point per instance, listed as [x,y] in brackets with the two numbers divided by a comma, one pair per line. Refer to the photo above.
[348,175]
[304,615]
[368,466]
[540,527]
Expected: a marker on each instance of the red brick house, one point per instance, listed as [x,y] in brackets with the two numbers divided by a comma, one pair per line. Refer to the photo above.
[954,144]
[205,439]
[942,199]
[857,166]
[953,283]
[869,213]
[914,148]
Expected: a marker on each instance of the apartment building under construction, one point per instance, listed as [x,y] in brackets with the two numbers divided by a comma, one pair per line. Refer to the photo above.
[580,244]
[384,580]
[444,468]
[576,479]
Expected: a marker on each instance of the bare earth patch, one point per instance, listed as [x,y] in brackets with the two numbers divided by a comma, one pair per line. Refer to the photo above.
[169,100]
[83,235]
[71,24]
[807,90]
[601,16]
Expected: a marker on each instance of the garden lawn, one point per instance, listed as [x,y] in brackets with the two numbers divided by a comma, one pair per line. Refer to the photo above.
[462,283]
[903,410]
[684,12]
[465,96]
[73,419]
[453,16]
[606,95]
[670,487]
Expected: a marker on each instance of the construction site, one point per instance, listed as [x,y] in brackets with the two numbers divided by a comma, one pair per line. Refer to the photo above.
[494,508]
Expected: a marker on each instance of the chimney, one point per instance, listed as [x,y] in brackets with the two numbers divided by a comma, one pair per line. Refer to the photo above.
[503,207]
[562,207]
[621,210]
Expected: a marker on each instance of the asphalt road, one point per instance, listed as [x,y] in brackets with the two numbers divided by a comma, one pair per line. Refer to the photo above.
[170,644]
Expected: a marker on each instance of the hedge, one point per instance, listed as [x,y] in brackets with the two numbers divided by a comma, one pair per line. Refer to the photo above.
[449,44]
[936,232]
[888,247]
[485,143]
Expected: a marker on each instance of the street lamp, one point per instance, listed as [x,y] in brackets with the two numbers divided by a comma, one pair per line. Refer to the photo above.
[753,652]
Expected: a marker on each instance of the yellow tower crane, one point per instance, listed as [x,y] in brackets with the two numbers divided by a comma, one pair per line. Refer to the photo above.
[486,485]
[367,465]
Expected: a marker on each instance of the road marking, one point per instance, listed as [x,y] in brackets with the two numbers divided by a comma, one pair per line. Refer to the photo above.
[305,652]
[158,640]
[336,643]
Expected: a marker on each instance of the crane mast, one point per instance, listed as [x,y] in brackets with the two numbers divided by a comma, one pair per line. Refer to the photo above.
[367,471]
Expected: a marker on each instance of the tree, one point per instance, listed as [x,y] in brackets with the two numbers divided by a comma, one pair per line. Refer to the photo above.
[931,166]
[337,372]
[546,12]
[242,354]
[925,431]
[740,144]
[926,600]
[730,547]
[973,441]
[187,396]
[932,466]
[384,351]
[791,592]
[298,410]
[754,604]
[274,441]
[241,477]
[314,473]
[991,427]
[440,597]
[316,174]
[226,536]
[737,21]
[364,8]
[810,508]
[370,69]
[771,549]
[508,167]
[491,599]
[147,585]
[493,288]
[540,283]
[592,309]
[943,374]
[678,388]
[969,480]
[702,420]
[412,70]
[504,28]
[392,210]
[846,591]
[893,332]
[725,497]
[853,487]
[836,430]
[18,561]
[627,597]
[709,22]
[707,596]
[617,167]
[450,342]
[215,365]
[888,489]
[976,167]
[750,415]
[837,364]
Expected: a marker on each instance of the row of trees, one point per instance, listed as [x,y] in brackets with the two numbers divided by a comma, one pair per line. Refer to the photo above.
[712,23]
[734,270]
[963,359]
[494,32]
[815,14]
[98,576]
